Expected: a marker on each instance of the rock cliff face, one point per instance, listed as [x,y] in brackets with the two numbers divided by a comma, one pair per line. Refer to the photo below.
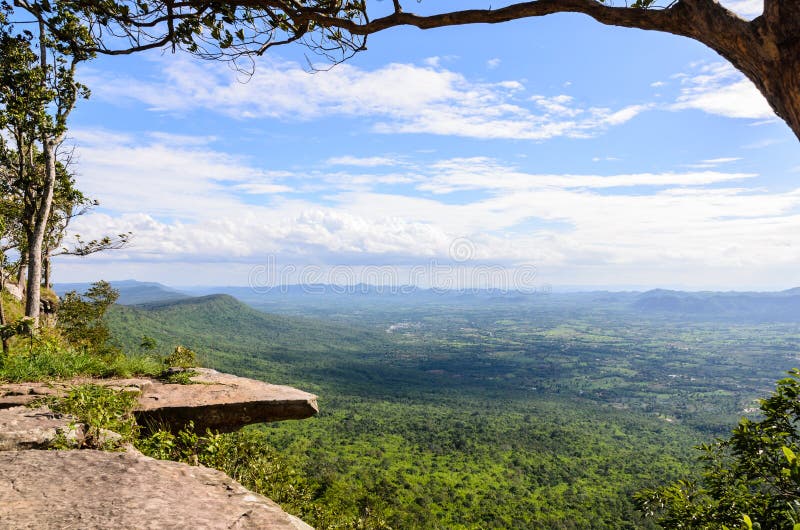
[96,489]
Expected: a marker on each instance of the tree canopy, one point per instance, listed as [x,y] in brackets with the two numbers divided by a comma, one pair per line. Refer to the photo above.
[750,480]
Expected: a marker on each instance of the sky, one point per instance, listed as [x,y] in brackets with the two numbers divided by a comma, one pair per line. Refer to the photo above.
[540,153]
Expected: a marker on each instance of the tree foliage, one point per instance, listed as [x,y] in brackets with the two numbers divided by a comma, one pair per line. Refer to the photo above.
[80,317]
[38,91]
[750,480]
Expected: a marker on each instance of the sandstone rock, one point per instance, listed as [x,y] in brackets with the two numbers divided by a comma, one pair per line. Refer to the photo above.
[16,394]
[95,489]
[26,428]
[223,402]
[219,401]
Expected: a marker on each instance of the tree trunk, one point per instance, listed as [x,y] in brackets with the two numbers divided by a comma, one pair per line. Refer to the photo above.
[2,308]
[46,272]
[34,255]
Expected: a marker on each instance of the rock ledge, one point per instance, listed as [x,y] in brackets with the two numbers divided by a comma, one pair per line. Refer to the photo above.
[97,489]
[218,401]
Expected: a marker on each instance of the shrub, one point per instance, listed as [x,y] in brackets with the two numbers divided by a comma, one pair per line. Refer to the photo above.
[182,357]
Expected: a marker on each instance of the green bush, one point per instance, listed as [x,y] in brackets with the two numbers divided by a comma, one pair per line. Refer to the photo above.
[249,458]
[49,358]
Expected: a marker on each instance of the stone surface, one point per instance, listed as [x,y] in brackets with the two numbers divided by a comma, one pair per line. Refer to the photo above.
[219,401]
[95,489]
[16,394]
[26,428]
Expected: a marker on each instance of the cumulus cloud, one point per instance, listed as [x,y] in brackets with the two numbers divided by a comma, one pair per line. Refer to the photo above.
[165,175]
[188,204]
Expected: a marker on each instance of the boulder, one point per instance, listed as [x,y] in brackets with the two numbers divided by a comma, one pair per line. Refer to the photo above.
[97,489]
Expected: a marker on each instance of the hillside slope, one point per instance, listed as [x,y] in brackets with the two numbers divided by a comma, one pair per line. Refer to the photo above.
[232,336]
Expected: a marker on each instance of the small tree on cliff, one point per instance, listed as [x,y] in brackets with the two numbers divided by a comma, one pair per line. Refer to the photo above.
[766,49]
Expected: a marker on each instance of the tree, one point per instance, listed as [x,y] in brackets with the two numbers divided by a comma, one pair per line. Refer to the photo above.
[38,91]
[80,316]
[766,49]
[750,480]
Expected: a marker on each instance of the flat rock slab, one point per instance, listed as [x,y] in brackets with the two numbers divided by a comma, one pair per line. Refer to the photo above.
[16,394]
[218,401]
[223,402]
[27,428]
[96,489]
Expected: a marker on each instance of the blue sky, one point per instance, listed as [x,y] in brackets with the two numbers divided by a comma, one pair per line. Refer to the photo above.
[598,156]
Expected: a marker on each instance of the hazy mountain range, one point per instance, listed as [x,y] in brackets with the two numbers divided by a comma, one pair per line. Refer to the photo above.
[781,306]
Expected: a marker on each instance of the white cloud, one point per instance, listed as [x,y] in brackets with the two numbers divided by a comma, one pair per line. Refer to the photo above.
[720,89]
[746,8]
[186,204]
[478,173]
[185,179]
[722,160]
[493,63]
[369,161]
[712,162]
[398,98]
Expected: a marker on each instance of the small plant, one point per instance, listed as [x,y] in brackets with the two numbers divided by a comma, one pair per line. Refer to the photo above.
[181,376]
[99,408]
[246,456]
[22,326]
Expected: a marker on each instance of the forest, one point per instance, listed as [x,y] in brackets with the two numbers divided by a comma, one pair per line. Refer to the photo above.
[518,412]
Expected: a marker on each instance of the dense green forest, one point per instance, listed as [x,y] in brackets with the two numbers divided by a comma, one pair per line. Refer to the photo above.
[502,414]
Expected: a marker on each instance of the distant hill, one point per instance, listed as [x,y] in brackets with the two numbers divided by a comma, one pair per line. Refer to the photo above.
[783,306]
[131,292]
[230,335]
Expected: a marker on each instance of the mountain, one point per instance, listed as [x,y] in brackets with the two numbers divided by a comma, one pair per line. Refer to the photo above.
[783,306]
[131,292]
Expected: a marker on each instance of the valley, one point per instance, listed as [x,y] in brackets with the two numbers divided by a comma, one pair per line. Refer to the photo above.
[540,411]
